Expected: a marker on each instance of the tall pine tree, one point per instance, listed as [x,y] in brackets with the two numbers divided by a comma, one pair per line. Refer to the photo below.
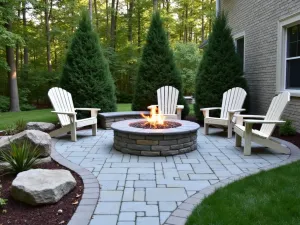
[86,72]
[220,69]
[157,68]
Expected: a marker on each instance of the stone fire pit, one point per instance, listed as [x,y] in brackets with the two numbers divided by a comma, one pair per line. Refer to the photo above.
[155,142]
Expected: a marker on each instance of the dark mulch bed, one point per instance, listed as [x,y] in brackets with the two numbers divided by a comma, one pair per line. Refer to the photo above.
[17,213]
[145,125]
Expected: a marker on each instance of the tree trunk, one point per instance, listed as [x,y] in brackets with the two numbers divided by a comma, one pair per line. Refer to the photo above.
[26,57]
[202,21]
[115,27]
[47,26]
[91,10]
[130,9]
[185,24]
[107,20]
[17,44]
[12,76]
[96,15]
[139,24]
[155,4]
[112,24]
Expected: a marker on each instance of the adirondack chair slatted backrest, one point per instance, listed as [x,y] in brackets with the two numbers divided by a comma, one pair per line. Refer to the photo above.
[167,98]
[232,99]
[275,111]
[61,101]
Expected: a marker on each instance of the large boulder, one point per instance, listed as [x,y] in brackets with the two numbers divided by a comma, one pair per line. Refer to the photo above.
[37,139]
[40,126]
[42,186]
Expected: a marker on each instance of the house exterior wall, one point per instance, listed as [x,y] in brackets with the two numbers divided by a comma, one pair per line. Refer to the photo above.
[259,20]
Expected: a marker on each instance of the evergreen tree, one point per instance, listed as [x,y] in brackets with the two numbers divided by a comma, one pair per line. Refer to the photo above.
[157,68]
[220,68]
[86,73]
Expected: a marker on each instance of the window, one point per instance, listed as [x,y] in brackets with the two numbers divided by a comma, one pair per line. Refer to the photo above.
[293,57]
[288,55]
[239,40]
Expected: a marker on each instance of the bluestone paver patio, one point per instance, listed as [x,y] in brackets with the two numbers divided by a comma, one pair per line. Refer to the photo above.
[140,190]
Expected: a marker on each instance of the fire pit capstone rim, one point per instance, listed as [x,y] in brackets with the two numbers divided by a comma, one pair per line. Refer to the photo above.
[186,127]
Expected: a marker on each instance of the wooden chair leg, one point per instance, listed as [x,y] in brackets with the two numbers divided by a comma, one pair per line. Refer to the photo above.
[229,131]
[206,127]
[94,129]
[73,132]
[248,137]
[238,140]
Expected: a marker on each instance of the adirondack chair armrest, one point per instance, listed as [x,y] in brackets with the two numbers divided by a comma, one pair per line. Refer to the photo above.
[65,113]
[236,110]
[180,107]
[205,111]
[240,117]
[264,121]
[87,109]
[152,106]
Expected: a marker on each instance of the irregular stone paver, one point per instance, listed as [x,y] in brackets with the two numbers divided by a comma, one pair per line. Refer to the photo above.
[144,190]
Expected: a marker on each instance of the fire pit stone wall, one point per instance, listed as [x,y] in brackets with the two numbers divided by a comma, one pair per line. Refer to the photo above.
[155,142]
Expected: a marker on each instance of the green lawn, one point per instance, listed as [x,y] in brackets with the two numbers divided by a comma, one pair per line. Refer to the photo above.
[267,198]
[43,115]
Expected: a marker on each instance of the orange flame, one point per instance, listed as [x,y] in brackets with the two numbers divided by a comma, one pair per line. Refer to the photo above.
[155,118]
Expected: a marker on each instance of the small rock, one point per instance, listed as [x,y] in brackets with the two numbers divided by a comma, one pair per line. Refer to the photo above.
[42,186]
[60,211]
[40,126]
[38,139]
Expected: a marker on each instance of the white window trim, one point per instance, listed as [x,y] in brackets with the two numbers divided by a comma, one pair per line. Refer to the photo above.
[283,24]
[237,37]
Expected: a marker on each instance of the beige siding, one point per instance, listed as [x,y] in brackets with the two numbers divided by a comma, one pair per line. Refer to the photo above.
[259,20]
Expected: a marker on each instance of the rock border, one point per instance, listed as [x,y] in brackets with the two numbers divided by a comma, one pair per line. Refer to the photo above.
[184,210]
[91,191]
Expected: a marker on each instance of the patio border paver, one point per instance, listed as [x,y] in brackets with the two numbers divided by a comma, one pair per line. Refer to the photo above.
[91,191]
[181,213]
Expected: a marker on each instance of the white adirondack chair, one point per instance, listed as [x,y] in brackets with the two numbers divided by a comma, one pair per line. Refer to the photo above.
[262,136]
[167,98]
[232,104]
[64,108]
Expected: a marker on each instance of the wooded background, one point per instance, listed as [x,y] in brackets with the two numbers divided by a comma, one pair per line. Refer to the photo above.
[35,34]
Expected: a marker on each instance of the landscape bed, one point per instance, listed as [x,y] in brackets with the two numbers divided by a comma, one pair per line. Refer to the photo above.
[15,212]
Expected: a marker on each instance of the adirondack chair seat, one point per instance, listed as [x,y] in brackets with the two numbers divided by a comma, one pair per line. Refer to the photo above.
[243,127]
[167,98]
[232,103]
[62,103]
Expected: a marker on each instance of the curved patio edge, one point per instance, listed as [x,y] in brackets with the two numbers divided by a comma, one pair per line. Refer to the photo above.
[184,210]
[91,189]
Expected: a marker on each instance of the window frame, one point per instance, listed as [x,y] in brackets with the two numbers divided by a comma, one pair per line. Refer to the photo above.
[281,64]
[237,37]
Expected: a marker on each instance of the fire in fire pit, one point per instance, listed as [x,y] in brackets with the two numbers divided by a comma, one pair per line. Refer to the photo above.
[155,121]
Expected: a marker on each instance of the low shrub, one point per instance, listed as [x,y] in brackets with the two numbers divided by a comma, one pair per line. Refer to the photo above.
[20,158]
[2,200]
[287,129]
[4,103]
[17,127]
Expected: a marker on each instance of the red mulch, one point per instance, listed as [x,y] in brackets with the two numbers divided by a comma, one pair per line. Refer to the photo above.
[17,213]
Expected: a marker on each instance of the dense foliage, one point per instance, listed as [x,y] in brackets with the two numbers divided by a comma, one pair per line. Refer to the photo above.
[220,68]
[86,72]
[287,129]
[157,68]
[187,58]
[40,42]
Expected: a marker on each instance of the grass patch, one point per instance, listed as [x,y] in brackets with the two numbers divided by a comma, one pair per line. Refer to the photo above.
[45,115]
[270,197]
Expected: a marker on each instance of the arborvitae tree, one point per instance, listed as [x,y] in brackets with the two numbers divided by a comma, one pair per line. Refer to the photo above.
[86,72]
[220,69]
[157,68]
